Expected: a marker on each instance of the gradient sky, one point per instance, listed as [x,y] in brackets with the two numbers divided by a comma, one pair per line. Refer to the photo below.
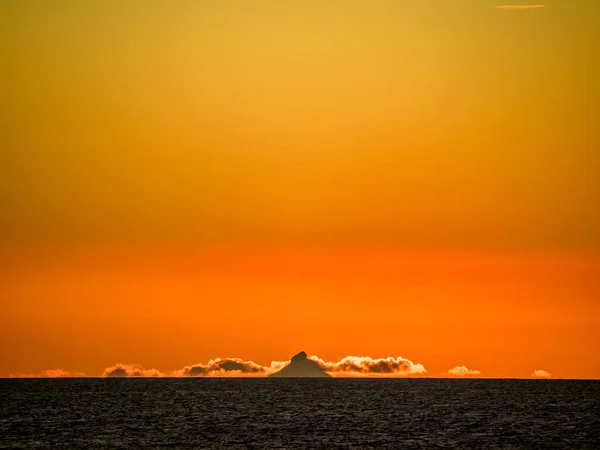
[187,180]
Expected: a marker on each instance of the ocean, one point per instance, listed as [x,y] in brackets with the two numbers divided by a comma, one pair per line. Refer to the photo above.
[299,413]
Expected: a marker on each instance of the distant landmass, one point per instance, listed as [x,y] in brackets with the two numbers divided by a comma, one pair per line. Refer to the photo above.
[301,367]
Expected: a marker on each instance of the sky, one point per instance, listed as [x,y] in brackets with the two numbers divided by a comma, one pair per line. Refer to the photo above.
[184,181]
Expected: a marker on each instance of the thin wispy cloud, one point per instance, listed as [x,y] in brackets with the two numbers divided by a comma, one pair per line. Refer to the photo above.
[50,373]
[520,6]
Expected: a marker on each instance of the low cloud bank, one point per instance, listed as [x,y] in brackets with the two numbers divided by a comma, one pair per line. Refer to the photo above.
[49,373]
[228,367]
[363,366]
[462,371]
[120,370]
[540,373]
[55,373]
[350,366]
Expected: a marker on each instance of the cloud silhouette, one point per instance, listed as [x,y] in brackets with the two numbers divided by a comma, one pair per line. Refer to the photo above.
[540,373]
[520,6]
[360,366]
[120,370]
[462,371]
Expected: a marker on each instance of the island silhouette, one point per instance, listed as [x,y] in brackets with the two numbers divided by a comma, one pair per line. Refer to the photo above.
[301,367]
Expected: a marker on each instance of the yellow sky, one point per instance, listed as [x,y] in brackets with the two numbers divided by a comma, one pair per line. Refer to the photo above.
[253,120]
[437,126]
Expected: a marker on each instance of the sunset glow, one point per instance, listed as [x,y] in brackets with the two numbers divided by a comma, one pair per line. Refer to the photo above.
[185,185]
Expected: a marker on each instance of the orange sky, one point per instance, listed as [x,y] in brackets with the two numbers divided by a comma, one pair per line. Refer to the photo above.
[502,314]
[181,181]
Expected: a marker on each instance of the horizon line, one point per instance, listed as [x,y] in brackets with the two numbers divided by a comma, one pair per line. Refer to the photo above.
[407,377]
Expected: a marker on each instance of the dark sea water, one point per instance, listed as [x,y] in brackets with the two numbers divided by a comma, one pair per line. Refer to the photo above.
[299,413]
